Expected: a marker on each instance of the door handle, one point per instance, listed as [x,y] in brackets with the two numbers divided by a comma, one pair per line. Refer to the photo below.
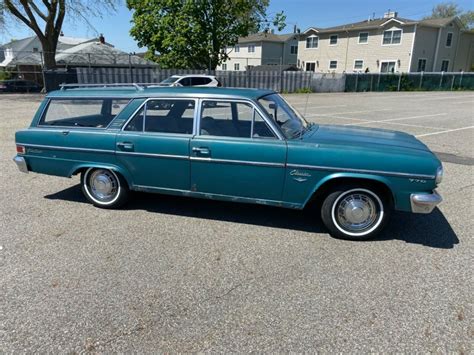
[201,150]
[125,145]
[65,133]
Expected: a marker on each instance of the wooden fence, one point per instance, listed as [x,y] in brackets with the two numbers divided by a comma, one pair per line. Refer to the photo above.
[285,81]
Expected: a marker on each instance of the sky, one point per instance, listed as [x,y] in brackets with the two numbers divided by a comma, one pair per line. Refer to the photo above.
[302,13]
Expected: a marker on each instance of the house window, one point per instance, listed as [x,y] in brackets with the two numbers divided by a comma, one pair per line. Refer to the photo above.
[392,37]
[333,40]
[358,64]
[333,64]
[310,66]
[421,64]
[236,66]
[294,49]
[449,39]
[444,65]
[224,66]
[312,42]
[363,37]
[35,50]
[237,49]
[251,48]
[388,67]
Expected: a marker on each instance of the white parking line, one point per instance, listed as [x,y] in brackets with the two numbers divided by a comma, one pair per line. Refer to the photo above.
[462,102]
[407,118]
[393,123]
[346,113]
[447,131]
[300,106]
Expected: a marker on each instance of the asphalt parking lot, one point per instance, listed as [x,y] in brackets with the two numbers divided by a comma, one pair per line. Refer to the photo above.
[181,275]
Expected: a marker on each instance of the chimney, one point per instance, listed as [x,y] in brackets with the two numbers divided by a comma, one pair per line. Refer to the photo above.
[101,39]
[390,14]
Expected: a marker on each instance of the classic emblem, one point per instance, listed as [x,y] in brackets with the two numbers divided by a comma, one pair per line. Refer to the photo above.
[299,173]
[300,176]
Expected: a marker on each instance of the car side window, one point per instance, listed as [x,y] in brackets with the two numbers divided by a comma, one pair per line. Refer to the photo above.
[200,81]
[164,116]
[197,81]
[232,119]
[97,113]
[185,81]
[136,123]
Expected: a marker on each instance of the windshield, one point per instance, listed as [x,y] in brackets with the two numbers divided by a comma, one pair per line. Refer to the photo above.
[170,80]
[291,122]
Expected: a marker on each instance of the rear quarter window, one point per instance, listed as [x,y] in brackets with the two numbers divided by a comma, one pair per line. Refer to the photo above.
[96,113]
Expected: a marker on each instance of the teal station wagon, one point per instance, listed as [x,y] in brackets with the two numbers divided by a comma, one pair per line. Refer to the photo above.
[241,145]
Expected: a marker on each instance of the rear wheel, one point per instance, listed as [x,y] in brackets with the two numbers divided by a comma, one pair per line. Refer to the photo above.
[104,188]
[355,212]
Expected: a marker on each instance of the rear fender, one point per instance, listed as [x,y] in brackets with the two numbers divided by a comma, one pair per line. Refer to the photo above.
[124,173]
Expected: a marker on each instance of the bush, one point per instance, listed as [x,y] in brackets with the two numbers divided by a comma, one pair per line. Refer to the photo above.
[303,91]
[5,75]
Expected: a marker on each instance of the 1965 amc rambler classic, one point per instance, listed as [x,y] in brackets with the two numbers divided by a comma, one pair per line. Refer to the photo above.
[241,145]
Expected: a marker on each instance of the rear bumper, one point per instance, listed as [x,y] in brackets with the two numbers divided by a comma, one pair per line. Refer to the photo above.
[21,164]
[424,203]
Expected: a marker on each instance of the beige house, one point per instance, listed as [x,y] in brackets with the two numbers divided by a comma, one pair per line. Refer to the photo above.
[389,44]
[262,49]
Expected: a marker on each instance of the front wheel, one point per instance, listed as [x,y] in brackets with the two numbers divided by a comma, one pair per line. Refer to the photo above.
[355,213]
[104,188]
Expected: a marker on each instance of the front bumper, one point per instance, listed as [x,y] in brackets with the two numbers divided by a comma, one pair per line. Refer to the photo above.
[424,203]
[21,164]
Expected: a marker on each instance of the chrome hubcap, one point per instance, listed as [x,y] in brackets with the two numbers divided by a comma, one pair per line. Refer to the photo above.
[103,185]
[356,212]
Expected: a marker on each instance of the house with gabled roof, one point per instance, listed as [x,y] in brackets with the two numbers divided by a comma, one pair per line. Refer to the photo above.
[386,45]
[263,48]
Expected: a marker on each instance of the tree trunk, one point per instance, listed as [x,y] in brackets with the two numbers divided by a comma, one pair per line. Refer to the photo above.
[49,53]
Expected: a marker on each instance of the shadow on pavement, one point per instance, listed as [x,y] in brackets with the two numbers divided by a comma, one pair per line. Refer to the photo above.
[431,230]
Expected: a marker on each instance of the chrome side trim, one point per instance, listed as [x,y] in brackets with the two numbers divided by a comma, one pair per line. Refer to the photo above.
[21,164]
[51,147]
[83,130]
[364,171]
[209,195]
[424,203]
[154,155]
[239,162]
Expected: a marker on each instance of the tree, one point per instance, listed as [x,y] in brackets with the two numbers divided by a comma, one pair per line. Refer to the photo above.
[451,9]
[46,18]
[195,33]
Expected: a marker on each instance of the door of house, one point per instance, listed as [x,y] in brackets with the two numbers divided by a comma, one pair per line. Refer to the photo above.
[388,67]
[310,66]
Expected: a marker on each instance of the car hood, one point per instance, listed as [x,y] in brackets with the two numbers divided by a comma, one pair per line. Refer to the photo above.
[362,136]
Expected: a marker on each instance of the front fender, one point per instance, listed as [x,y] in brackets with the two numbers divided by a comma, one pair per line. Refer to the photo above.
[348,175]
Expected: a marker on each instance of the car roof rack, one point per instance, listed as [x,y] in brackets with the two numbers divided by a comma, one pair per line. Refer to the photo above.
[116,85]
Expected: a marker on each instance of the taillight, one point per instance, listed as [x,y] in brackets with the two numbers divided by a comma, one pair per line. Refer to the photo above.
[20,149]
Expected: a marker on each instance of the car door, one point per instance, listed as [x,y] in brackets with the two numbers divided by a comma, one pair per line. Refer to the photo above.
[236,153]
[154,144]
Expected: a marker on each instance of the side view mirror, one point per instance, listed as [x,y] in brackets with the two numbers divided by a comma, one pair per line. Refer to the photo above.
[272,106]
